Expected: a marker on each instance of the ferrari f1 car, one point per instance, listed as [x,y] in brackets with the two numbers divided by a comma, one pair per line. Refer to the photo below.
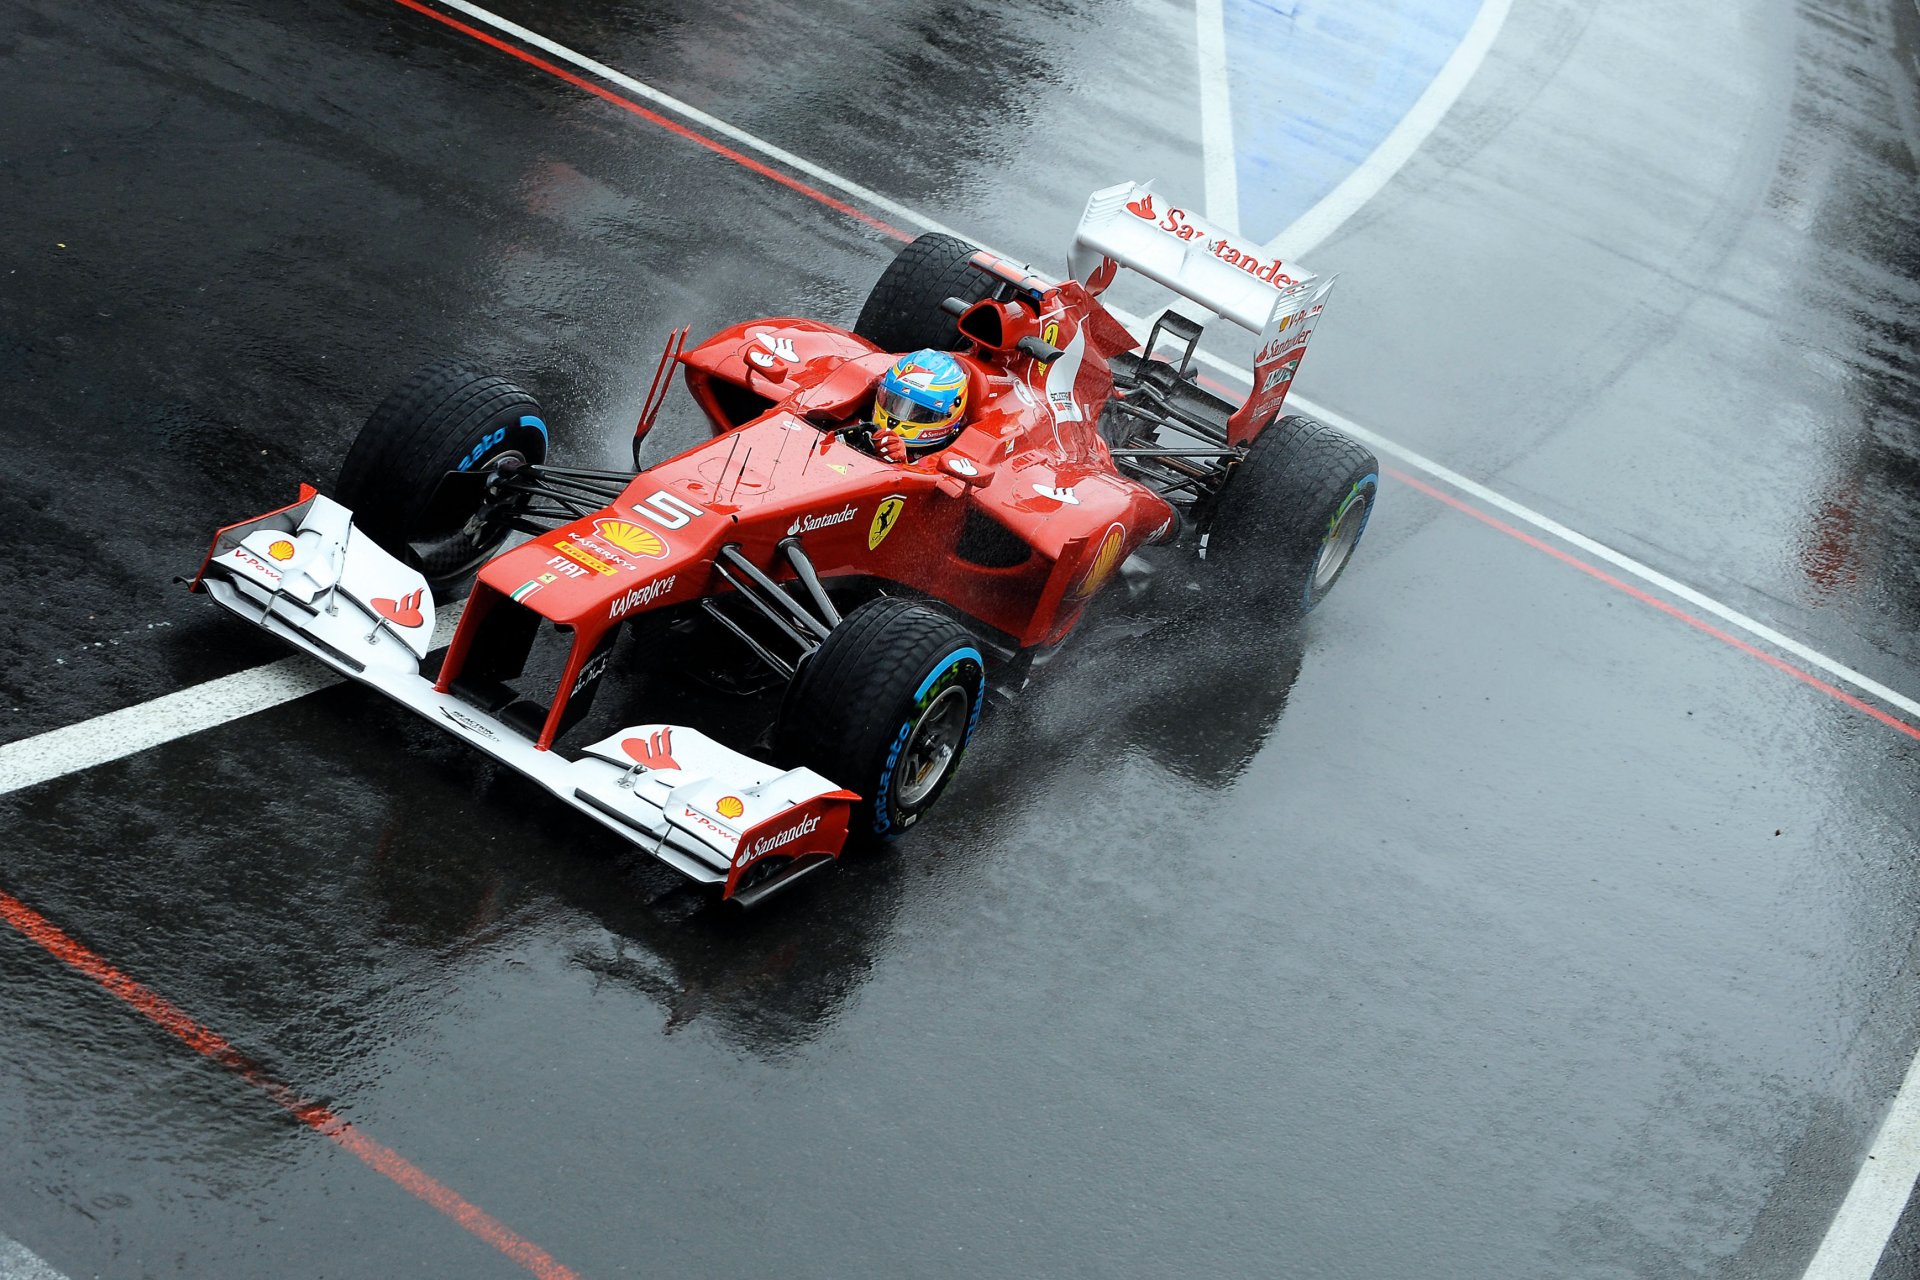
[885,597]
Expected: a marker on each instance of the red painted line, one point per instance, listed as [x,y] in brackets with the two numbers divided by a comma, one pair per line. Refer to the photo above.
[1673,611]
[164,1014]
[653,117]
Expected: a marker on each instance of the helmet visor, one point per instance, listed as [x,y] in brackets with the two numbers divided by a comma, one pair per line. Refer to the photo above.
[900,409]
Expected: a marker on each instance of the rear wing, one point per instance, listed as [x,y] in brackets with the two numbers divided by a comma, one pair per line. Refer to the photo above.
[1132,226]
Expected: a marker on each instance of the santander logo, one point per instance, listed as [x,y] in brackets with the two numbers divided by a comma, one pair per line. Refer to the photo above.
[807,524]
[1177,223]
[404,612]
[767,844]
[655,751]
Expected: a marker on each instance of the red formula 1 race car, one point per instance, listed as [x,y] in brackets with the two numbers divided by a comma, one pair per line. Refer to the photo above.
[883,595]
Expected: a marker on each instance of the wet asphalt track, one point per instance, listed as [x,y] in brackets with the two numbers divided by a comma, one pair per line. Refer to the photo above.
[1493,924]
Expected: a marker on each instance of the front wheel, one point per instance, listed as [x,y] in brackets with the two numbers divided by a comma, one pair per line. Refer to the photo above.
[886,707]
[416,477]
[1285,524]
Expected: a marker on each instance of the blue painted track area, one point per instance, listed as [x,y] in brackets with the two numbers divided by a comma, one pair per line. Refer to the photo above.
[1316,85]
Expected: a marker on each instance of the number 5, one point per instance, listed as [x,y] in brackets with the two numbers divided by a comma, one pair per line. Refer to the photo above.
[667,510]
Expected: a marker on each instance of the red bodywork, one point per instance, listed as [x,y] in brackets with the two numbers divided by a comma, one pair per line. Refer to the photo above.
[1016,524]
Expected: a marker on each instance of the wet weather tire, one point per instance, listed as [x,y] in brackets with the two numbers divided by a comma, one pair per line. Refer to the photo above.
[1285,525]
[885,707]
[447,417]
[903,311]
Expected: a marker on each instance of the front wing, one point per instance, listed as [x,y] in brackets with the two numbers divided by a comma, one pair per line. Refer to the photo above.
[308,575]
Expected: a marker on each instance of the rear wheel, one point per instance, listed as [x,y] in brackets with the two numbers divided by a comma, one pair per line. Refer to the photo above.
[903,312]
[1285,524]
[886,707]
[416,477]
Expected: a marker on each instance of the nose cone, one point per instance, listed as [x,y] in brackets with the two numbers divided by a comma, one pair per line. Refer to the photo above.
[600,569]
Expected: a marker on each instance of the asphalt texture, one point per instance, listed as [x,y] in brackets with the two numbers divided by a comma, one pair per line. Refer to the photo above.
[1492,923]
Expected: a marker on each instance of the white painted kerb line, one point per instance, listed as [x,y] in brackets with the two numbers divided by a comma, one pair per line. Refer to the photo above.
[134,729]
[695,115]
[1601,551]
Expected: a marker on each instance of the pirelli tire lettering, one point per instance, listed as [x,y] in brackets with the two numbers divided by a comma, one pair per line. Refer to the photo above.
[887,706]
[916,750]
[448,417]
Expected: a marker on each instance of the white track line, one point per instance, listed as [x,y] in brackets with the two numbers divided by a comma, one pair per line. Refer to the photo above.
[695,115]
[1858,1235]
[1216,116]
[1316,224]
[1601,551]
[18,1263]
[131,730]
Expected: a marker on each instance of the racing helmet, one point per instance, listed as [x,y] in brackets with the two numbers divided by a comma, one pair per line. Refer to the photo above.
[923,398]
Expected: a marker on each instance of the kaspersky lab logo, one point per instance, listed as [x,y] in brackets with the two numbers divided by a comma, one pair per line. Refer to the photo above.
[640,597]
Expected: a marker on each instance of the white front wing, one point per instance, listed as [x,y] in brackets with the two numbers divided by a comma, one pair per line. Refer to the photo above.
[308,576]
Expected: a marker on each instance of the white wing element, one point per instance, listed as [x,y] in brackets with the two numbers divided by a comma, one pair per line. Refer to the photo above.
[308,576]
[309,567]
[1133,226]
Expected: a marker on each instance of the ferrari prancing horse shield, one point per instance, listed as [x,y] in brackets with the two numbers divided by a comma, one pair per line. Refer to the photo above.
[885,516]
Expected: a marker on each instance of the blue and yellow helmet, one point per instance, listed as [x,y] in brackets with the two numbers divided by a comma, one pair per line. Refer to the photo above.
[923,398]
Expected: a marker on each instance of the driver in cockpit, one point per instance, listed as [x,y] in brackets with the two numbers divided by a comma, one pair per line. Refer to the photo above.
[919,406]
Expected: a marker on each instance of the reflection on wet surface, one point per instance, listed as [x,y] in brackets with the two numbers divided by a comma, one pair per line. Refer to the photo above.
[1847,182]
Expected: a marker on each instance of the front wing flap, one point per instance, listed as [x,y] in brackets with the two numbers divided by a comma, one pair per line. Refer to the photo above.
[307,575]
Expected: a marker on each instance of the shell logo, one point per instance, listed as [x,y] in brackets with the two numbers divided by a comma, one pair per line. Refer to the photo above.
[280,549]
[1105,560]
[729,807]
[635,539]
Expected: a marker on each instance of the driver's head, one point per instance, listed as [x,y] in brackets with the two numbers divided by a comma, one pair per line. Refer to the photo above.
[923,400]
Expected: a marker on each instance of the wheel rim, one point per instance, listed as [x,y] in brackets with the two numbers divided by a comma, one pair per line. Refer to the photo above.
[936,739]
[1340,543]
[453,553]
